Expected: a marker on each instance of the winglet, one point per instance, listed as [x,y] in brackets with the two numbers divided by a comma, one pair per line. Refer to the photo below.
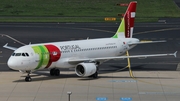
[5,45]
[175,54]
[9,47]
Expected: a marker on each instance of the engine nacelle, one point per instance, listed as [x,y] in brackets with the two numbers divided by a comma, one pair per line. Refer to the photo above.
[85,69]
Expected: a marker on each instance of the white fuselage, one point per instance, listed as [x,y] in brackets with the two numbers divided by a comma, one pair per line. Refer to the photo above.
[57,54]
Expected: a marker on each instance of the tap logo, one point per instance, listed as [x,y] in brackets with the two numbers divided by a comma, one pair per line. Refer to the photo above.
[54,53]
[47,55]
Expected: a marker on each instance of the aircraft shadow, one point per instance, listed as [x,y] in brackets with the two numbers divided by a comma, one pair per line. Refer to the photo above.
[37,76]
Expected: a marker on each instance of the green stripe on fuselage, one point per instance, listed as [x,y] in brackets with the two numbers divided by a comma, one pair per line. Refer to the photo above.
[43,56]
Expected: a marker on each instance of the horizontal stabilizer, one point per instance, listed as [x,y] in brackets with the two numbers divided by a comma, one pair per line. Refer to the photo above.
[144,42]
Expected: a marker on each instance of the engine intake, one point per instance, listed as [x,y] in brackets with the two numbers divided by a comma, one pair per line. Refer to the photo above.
[85,69]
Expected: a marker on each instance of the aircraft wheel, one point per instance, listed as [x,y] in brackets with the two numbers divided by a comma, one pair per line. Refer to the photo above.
[57,72]
[52,72]
[28,79]
[95,75]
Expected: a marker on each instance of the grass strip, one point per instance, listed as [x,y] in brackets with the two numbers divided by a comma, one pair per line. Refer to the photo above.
[95,10]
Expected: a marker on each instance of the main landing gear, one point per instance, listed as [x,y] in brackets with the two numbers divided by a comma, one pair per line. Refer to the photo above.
[95,75]
[54,72]
[28,78]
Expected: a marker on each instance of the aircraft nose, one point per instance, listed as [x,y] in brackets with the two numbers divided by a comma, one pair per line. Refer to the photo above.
[12,64]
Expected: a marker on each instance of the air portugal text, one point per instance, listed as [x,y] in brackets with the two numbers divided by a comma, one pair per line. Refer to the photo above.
[69,47]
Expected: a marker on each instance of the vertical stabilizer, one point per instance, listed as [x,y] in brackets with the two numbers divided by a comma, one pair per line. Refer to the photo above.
[126,27]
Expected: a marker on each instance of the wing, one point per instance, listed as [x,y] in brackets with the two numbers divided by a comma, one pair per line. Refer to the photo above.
[9,47]
[76,60]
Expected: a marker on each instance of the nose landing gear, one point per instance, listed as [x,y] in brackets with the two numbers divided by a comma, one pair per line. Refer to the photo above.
[53,72]
[28,77]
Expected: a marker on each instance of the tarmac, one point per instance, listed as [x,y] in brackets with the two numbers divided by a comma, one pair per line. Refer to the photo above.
[154,78]
[146,86]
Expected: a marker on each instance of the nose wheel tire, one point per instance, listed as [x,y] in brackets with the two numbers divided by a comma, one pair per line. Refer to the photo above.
[28,79]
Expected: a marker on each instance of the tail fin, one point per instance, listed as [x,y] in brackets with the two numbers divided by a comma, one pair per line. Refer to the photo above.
[126,27]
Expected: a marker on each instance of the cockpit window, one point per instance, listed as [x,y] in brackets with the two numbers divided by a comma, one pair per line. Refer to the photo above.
[23,54]
[20,54]
[13,54]
[27,54]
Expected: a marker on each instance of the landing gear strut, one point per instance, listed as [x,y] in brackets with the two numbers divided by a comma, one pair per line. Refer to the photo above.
[95,75]
[28,78]
[54,72]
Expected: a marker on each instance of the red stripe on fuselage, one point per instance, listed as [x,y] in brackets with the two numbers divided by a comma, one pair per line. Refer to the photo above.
[54,54]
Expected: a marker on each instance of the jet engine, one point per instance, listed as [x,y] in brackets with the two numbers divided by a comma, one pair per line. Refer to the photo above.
[85,69]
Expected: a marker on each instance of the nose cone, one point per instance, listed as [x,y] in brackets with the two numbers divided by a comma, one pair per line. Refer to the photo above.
[12,64]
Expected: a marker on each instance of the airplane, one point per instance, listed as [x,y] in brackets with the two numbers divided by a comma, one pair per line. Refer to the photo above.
[83,55]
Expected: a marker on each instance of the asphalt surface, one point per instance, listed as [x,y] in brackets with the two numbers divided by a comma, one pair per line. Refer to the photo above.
[50,32]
